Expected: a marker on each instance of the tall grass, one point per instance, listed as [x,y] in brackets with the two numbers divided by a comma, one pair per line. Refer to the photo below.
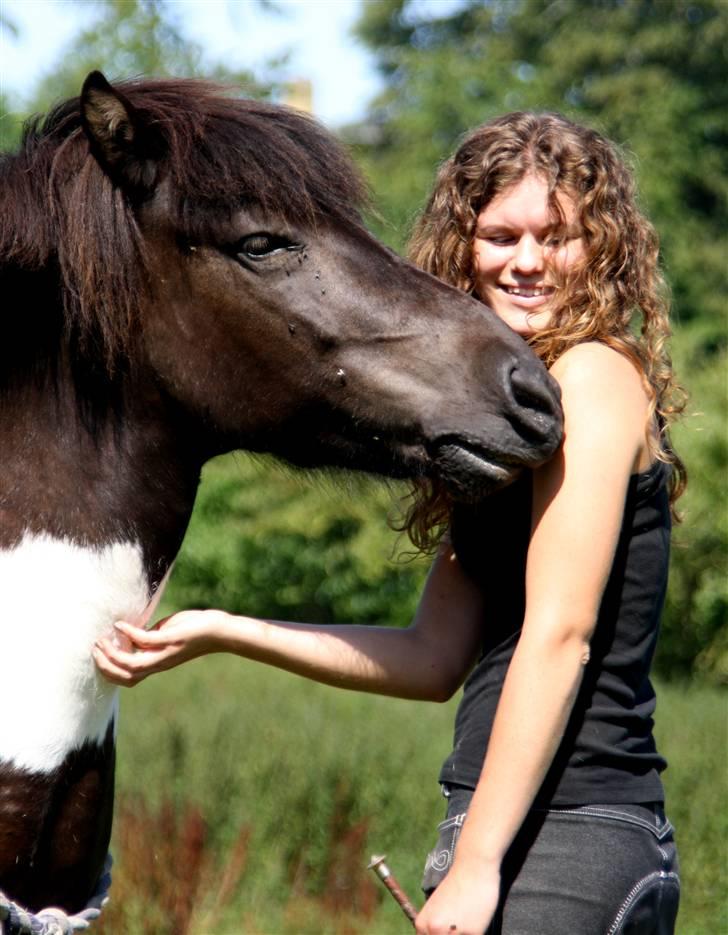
[295,783]
[692,732]
[249,801]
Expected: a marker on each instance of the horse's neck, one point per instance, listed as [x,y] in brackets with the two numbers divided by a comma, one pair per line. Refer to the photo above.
[87,532]
[131,477]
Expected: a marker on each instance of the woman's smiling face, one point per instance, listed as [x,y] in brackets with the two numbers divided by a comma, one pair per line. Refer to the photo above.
[515,251]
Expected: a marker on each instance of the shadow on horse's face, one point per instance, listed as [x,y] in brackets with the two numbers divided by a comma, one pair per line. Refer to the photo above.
[299,334]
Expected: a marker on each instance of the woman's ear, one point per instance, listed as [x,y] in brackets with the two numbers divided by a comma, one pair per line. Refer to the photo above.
[127,148]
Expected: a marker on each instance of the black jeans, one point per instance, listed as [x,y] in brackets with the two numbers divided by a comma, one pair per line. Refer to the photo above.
[582,870]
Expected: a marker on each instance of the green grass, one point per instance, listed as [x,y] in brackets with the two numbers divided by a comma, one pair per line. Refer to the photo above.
[313,778]
[250,801]
[692,732]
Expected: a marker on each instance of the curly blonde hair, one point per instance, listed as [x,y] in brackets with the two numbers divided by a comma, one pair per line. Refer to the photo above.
[615,295]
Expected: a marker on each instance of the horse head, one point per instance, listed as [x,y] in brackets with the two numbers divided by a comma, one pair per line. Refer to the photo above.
[277,322]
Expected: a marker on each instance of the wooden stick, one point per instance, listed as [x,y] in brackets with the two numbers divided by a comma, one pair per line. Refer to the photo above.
[378,865]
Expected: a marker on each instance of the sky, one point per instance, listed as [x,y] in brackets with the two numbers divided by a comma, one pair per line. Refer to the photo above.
[237,32]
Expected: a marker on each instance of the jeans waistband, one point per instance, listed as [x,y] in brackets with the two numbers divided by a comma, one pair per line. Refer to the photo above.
[649,814]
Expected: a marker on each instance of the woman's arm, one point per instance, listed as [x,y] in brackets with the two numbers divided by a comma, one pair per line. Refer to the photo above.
[577,515]
[427,660]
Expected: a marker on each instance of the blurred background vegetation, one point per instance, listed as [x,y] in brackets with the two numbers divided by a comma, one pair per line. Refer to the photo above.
[651,74]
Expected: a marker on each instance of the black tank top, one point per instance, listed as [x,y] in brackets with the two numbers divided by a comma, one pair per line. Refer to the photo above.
[608,754]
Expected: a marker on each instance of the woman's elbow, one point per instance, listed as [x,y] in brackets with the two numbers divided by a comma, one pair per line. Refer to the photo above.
[446,693]
[566,637]
[444,683]
[437,693]
[576,639]
[441,665]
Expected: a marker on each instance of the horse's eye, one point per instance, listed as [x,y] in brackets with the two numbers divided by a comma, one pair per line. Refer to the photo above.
[261,245]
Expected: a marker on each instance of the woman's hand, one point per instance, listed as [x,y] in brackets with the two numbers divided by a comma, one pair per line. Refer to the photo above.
[133,653]
[463,904]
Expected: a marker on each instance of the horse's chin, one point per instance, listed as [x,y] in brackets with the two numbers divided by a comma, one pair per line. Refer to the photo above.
[470,474]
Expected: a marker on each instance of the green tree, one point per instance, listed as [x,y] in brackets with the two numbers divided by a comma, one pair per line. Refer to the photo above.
[268,541]
[135,37]
[695,631]
[125,38]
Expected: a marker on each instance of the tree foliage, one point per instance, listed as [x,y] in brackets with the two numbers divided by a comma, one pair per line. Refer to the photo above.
[695,630]
[270,542]
[126,38]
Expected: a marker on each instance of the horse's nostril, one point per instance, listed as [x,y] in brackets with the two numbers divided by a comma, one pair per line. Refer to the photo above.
[535,409]
[532,391]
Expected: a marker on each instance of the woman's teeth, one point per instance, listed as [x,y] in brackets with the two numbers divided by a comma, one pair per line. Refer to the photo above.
[528,292]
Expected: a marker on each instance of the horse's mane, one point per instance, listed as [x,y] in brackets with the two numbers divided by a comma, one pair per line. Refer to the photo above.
[59,210]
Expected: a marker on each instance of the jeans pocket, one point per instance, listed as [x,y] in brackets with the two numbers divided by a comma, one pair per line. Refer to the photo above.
[650,908]
[440,857]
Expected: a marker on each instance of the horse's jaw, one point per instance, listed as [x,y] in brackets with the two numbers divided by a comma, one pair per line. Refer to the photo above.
[56,599]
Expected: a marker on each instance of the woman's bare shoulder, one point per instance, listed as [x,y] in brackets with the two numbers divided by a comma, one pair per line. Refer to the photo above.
[606,403]
[593,367]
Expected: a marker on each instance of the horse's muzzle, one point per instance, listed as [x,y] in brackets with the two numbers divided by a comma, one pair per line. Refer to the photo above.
[525,433]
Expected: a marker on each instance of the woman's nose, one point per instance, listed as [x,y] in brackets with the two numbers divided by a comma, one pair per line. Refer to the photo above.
[528,258]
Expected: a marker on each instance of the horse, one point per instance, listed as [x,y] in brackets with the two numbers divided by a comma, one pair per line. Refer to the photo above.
[185,272]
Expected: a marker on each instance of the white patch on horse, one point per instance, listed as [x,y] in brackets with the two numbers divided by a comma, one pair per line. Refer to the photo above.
[56,599]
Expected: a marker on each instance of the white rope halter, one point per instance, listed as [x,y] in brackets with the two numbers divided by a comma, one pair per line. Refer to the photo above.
[14,920]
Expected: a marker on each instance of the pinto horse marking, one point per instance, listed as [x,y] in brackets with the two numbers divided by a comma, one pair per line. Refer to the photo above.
[58,722]
[183,274]
[84,590]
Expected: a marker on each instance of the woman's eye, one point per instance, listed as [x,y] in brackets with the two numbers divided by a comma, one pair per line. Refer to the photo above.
[561,238]
[262,244]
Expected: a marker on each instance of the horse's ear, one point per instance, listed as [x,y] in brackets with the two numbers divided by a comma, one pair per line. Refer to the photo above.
[126,147]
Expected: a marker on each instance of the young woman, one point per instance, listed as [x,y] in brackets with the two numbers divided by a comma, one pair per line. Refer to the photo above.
[549,592]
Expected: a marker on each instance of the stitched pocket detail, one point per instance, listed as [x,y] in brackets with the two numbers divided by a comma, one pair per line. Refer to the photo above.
[661,832]
[652,881]
[440,857]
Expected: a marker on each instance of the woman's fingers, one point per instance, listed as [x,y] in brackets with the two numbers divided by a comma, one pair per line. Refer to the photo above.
[124,658]
[112,671]
[132,652]
[112,653]
[141,638]
[137,663]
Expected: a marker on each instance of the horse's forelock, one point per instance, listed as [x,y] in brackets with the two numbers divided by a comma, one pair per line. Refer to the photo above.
[101,257]
[226,149]
[245,152]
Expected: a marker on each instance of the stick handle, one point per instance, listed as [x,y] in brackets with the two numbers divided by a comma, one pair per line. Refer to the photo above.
[378,865]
